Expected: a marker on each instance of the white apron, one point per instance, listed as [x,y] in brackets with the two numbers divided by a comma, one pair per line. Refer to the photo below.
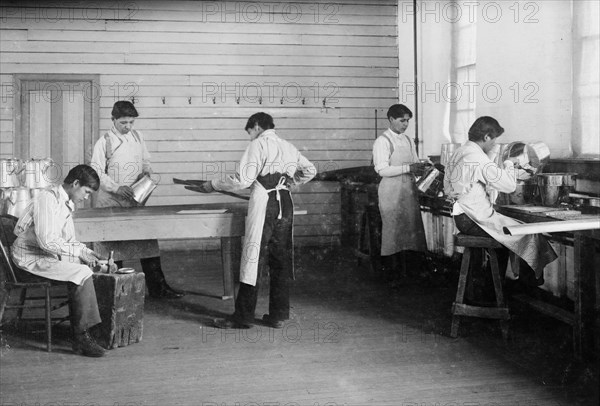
[255,221]
[532,248]
[124,164]
[28,255]
[402,225]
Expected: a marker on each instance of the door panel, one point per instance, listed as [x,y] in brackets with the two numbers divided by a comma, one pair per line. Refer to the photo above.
[40,114]
[56,118]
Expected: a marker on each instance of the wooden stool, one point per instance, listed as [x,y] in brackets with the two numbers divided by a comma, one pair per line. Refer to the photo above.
[500,311]
[121,305]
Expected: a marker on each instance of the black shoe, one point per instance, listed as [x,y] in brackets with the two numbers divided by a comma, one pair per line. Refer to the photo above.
[84,344]
[272,322]
[167,292]
[229,324]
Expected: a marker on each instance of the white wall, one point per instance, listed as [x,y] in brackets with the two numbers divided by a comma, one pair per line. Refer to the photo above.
[433,54]
[530,52]
[523,67]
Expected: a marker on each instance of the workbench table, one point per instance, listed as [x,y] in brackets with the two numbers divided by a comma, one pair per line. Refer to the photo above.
[584,312]
[223,220]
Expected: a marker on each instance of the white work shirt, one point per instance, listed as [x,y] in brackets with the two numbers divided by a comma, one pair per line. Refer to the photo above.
[125,156]
[46,243]
[470,173]
[268,154]
[384,146]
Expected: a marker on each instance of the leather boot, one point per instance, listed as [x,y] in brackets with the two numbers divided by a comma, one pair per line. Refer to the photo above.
[155,280]
[85,345]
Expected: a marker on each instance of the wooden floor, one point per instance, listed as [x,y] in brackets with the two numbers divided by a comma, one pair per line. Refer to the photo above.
[352,341]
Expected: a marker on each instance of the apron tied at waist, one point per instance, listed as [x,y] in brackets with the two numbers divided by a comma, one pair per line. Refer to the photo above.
[255,221]
[281,185]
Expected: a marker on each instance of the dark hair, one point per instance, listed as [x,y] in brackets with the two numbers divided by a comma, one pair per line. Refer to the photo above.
[123,108]
[264,121]
[485,126]
[398,110]
[86,175]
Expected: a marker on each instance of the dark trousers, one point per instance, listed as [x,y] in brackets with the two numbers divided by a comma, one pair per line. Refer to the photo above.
[526,273]
[276,255]
[83,305]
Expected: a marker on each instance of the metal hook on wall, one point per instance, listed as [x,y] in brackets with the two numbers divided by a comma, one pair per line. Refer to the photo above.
[132,99]
[260,100]
[303,100]
[281,101]
[325,102]
[163,100]
[237,100]
[214,100]
[189,100]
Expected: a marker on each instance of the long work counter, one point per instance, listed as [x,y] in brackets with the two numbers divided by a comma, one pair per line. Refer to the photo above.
[224,221]
[584,312]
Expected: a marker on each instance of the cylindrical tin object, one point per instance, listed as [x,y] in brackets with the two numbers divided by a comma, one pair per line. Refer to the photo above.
[427,179]
[143,188]
[15,200]
[9,172]
[554,186]
[447,151]
[41,173]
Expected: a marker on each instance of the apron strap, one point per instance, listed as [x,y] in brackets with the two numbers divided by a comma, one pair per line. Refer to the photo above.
[281,185]
[109,151]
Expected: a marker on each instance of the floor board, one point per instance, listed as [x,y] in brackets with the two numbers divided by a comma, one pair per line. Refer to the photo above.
[352,340]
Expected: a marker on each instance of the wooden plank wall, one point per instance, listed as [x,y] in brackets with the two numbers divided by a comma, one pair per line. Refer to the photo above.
[197,70]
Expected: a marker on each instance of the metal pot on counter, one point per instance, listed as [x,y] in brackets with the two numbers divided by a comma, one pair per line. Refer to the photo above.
[10,168]
[41,173]
[13,201]
[524,193]
[555,187]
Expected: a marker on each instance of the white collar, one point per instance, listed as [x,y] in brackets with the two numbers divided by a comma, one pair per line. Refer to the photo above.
[65,196]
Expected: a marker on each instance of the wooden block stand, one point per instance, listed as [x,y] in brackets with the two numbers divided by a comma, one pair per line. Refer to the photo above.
[121,304]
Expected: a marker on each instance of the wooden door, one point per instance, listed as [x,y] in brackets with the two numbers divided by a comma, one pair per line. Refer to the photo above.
[57,118]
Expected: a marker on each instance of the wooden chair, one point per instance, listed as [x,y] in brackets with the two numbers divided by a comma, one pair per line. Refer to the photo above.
[459,308]
[9,278]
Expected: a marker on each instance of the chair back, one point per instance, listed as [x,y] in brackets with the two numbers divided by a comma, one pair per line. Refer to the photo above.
[7,237]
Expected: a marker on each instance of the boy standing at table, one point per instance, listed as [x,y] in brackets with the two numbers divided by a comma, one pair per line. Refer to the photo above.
[269,166]
[121,158]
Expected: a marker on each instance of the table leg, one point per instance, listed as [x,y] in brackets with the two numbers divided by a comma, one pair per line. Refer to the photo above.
[584,292]
[230,253]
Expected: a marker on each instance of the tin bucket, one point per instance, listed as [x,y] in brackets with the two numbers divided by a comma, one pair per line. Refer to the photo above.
[427,183]
[15,200]
[143,188]
[9,171]
[553,187]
